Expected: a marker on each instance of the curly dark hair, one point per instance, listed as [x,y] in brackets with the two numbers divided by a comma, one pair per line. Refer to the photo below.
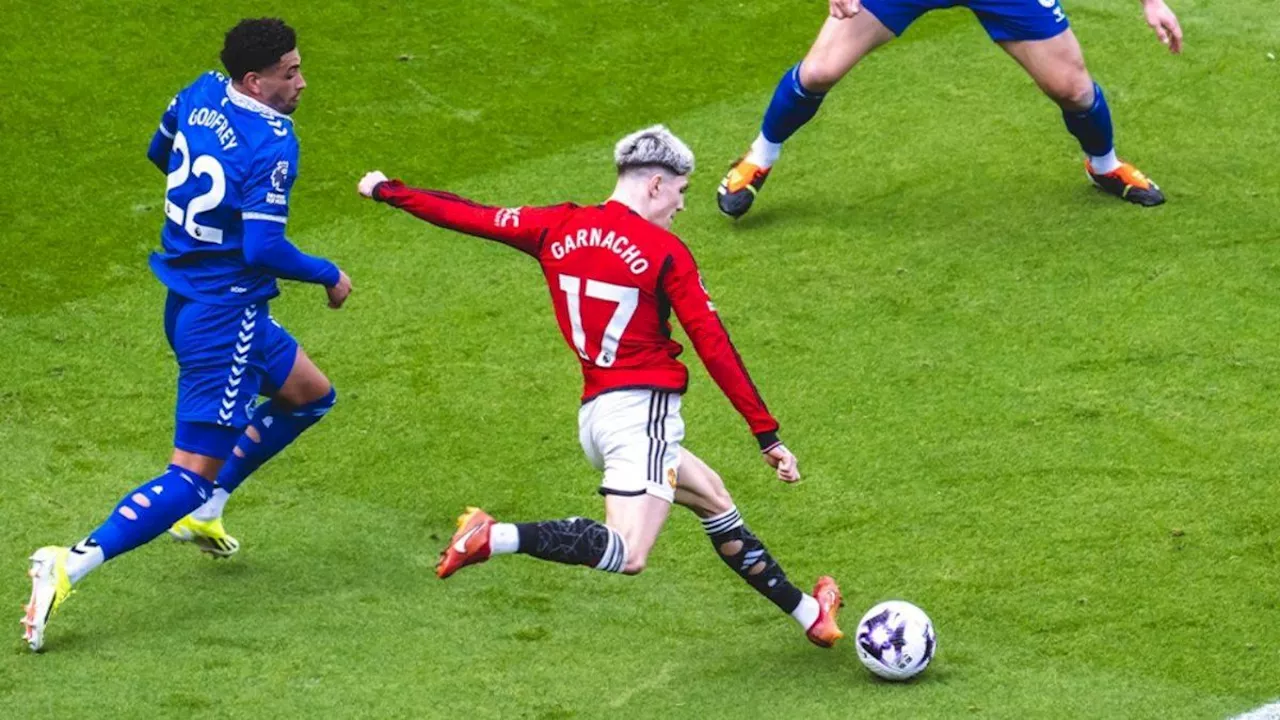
[256,44]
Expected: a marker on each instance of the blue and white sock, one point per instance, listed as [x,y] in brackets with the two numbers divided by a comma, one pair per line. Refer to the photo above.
[85,556]
[791,107]
[1094,131]
[274,427]
[764,153]
[140,516]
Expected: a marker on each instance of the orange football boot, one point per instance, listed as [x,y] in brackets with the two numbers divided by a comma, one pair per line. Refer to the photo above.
[469,546]
[739,187]
[1128,183]
[824,632]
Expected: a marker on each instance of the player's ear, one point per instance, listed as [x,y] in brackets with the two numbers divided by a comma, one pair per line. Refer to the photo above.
[655,185]
[250,82]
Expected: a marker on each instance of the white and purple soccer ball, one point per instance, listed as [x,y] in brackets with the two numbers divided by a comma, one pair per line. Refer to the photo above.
[896,640]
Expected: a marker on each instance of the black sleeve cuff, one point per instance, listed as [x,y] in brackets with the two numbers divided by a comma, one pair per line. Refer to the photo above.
[768,440]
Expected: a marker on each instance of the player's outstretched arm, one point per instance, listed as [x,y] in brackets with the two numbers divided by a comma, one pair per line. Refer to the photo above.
[339,291]
[697,315]
[266,247]
[370,182]
[522,228]
[1164,22]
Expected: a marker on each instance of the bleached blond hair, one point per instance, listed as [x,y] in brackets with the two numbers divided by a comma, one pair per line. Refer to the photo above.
[653,147]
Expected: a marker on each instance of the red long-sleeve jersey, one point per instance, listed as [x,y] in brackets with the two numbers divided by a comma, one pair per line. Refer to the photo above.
[614,279]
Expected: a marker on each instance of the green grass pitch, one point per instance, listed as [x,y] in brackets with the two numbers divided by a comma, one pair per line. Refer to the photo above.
[1045,416]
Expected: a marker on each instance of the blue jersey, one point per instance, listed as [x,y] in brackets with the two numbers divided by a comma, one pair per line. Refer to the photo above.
[231,159]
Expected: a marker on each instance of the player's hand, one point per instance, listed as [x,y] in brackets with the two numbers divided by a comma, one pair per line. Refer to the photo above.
[781,459]
[1164,22]
[370,181]
[844,9]
[339,293]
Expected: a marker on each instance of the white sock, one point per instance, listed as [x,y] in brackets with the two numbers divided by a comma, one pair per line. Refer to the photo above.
[806,613]
[1104,164]
[764,153]
[84,557]
[503,539]
[212,509]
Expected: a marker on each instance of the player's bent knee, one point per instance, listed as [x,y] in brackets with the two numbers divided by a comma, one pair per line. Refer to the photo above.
[719,501]
[1071,88]
[634,555]
[317,409]
[1074,95]
[817,75]
[633,561]
[711,500]
[321,407]
[634,565]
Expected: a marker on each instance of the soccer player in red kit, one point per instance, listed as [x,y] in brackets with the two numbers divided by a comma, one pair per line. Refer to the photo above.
[615,274]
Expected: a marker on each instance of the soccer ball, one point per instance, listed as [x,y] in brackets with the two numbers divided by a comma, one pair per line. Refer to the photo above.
[896,640]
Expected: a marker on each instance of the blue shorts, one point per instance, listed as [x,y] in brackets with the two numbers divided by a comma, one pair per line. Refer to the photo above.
[227,356]
[1003,20]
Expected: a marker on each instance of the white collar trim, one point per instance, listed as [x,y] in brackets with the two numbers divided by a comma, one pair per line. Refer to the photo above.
[239,99]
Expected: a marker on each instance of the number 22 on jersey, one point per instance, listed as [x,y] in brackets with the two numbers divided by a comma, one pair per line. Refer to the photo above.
[626,297]
[203,166]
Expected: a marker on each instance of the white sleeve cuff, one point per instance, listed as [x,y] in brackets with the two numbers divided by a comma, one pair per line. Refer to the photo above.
[263,216]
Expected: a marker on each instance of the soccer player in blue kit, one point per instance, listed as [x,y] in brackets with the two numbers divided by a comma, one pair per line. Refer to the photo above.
[1034,32]
[230,154]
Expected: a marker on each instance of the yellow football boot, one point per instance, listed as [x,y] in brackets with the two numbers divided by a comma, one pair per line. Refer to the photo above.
[208,535]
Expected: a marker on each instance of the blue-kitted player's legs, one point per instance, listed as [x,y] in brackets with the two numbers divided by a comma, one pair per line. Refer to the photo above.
[304,396]
[1034,32]
[223,358]
[841,44]
[1057,66]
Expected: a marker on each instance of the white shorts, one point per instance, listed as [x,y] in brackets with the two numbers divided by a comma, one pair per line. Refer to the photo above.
[634,436]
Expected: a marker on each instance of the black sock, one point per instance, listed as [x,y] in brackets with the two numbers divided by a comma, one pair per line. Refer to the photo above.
[574,541]
[746,555]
